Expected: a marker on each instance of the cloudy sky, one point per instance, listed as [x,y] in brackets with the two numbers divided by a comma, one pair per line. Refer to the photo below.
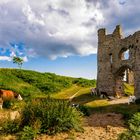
[60,36]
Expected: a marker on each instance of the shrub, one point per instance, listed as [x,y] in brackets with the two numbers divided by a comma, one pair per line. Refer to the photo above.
[8,103]
[84,82]
[134,129]
[10,126]
[28,133]
[54,116]
[84,110]
[126,115]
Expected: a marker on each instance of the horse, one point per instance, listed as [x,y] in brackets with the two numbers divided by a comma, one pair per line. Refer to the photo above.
[7,95]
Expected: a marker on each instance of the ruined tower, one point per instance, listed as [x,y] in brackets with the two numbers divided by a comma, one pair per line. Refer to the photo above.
[118,56]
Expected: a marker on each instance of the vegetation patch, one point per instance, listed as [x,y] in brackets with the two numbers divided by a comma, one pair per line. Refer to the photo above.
[134,129]
[128,89]
[32,84]
[97,103]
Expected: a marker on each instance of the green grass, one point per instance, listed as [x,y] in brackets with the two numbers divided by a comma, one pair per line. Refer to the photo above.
[128,89]
[66,94]
[97,103]
[35,84]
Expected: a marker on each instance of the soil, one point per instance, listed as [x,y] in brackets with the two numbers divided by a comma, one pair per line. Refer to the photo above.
[119,101]
[96,127]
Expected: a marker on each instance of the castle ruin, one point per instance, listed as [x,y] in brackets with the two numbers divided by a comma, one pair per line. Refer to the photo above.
[118,61]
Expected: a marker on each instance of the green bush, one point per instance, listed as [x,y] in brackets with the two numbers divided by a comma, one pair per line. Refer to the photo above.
[12,104]
[84,110]
[134,129]
[84,82]
[8,103]
[28,133]
[10,126]
[54,116]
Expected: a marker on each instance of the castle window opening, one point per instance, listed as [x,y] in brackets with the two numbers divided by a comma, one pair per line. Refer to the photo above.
[124,55]
[111,58]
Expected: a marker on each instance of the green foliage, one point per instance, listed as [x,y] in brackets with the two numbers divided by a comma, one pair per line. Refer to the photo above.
[7,104]
[134,129]
[18,60]
[10,126]
[32,84]
[28,133]
[128,89]
[84,110]
[54,116]
[84,82]
[134,122]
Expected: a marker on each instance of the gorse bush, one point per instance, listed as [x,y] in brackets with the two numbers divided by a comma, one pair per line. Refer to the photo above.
[51,116]
[134,129]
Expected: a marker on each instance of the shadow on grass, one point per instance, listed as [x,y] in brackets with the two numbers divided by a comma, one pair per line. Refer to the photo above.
[124,109]
[116,115]
[84,98]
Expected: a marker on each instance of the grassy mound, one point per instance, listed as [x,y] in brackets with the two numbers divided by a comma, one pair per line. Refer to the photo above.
[31,83]
[128,89]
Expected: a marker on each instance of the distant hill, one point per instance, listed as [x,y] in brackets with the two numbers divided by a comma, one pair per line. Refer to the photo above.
[31,83]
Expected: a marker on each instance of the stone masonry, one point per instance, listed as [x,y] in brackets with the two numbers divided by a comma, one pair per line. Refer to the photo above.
[111,62]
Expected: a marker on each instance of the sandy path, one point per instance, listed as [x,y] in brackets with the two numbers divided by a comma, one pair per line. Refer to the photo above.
[119,101]
[74,95]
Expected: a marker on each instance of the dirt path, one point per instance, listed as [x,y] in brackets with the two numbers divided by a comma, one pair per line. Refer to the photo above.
[119,101]
[97,127]
[74,95]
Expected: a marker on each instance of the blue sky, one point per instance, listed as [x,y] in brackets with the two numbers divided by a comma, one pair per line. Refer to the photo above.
[60,36]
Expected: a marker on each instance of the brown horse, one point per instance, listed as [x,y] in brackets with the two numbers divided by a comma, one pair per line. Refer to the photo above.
[6,95]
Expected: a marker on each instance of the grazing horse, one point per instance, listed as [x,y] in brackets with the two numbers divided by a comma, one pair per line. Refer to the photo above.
[6,95]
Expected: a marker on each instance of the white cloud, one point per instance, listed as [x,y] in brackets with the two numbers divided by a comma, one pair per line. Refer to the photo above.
[49,28]
[61,28]
[25,59]
[5,58]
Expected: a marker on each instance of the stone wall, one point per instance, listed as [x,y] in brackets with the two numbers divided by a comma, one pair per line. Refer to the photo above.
[111,62]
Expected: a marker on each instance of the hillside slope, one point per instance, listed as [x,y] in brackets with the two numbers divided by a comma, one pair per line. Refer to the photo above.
[32,83]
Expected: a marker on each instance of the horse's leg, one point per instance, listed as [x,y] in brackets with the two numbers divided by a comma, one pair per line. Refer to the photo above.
[1,103]
[0,106]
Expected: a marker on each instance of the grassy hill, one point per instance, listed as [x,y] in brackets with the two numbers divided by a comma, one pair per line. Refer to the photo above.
[31,83]
[128,89]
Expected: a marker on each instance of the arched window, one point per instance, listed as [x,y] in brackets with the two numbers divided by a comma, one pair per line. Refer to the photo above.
[124,54]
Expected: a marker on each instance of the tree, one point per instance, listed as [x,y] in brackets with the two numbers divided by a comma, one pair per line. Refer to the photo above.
[18,60]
